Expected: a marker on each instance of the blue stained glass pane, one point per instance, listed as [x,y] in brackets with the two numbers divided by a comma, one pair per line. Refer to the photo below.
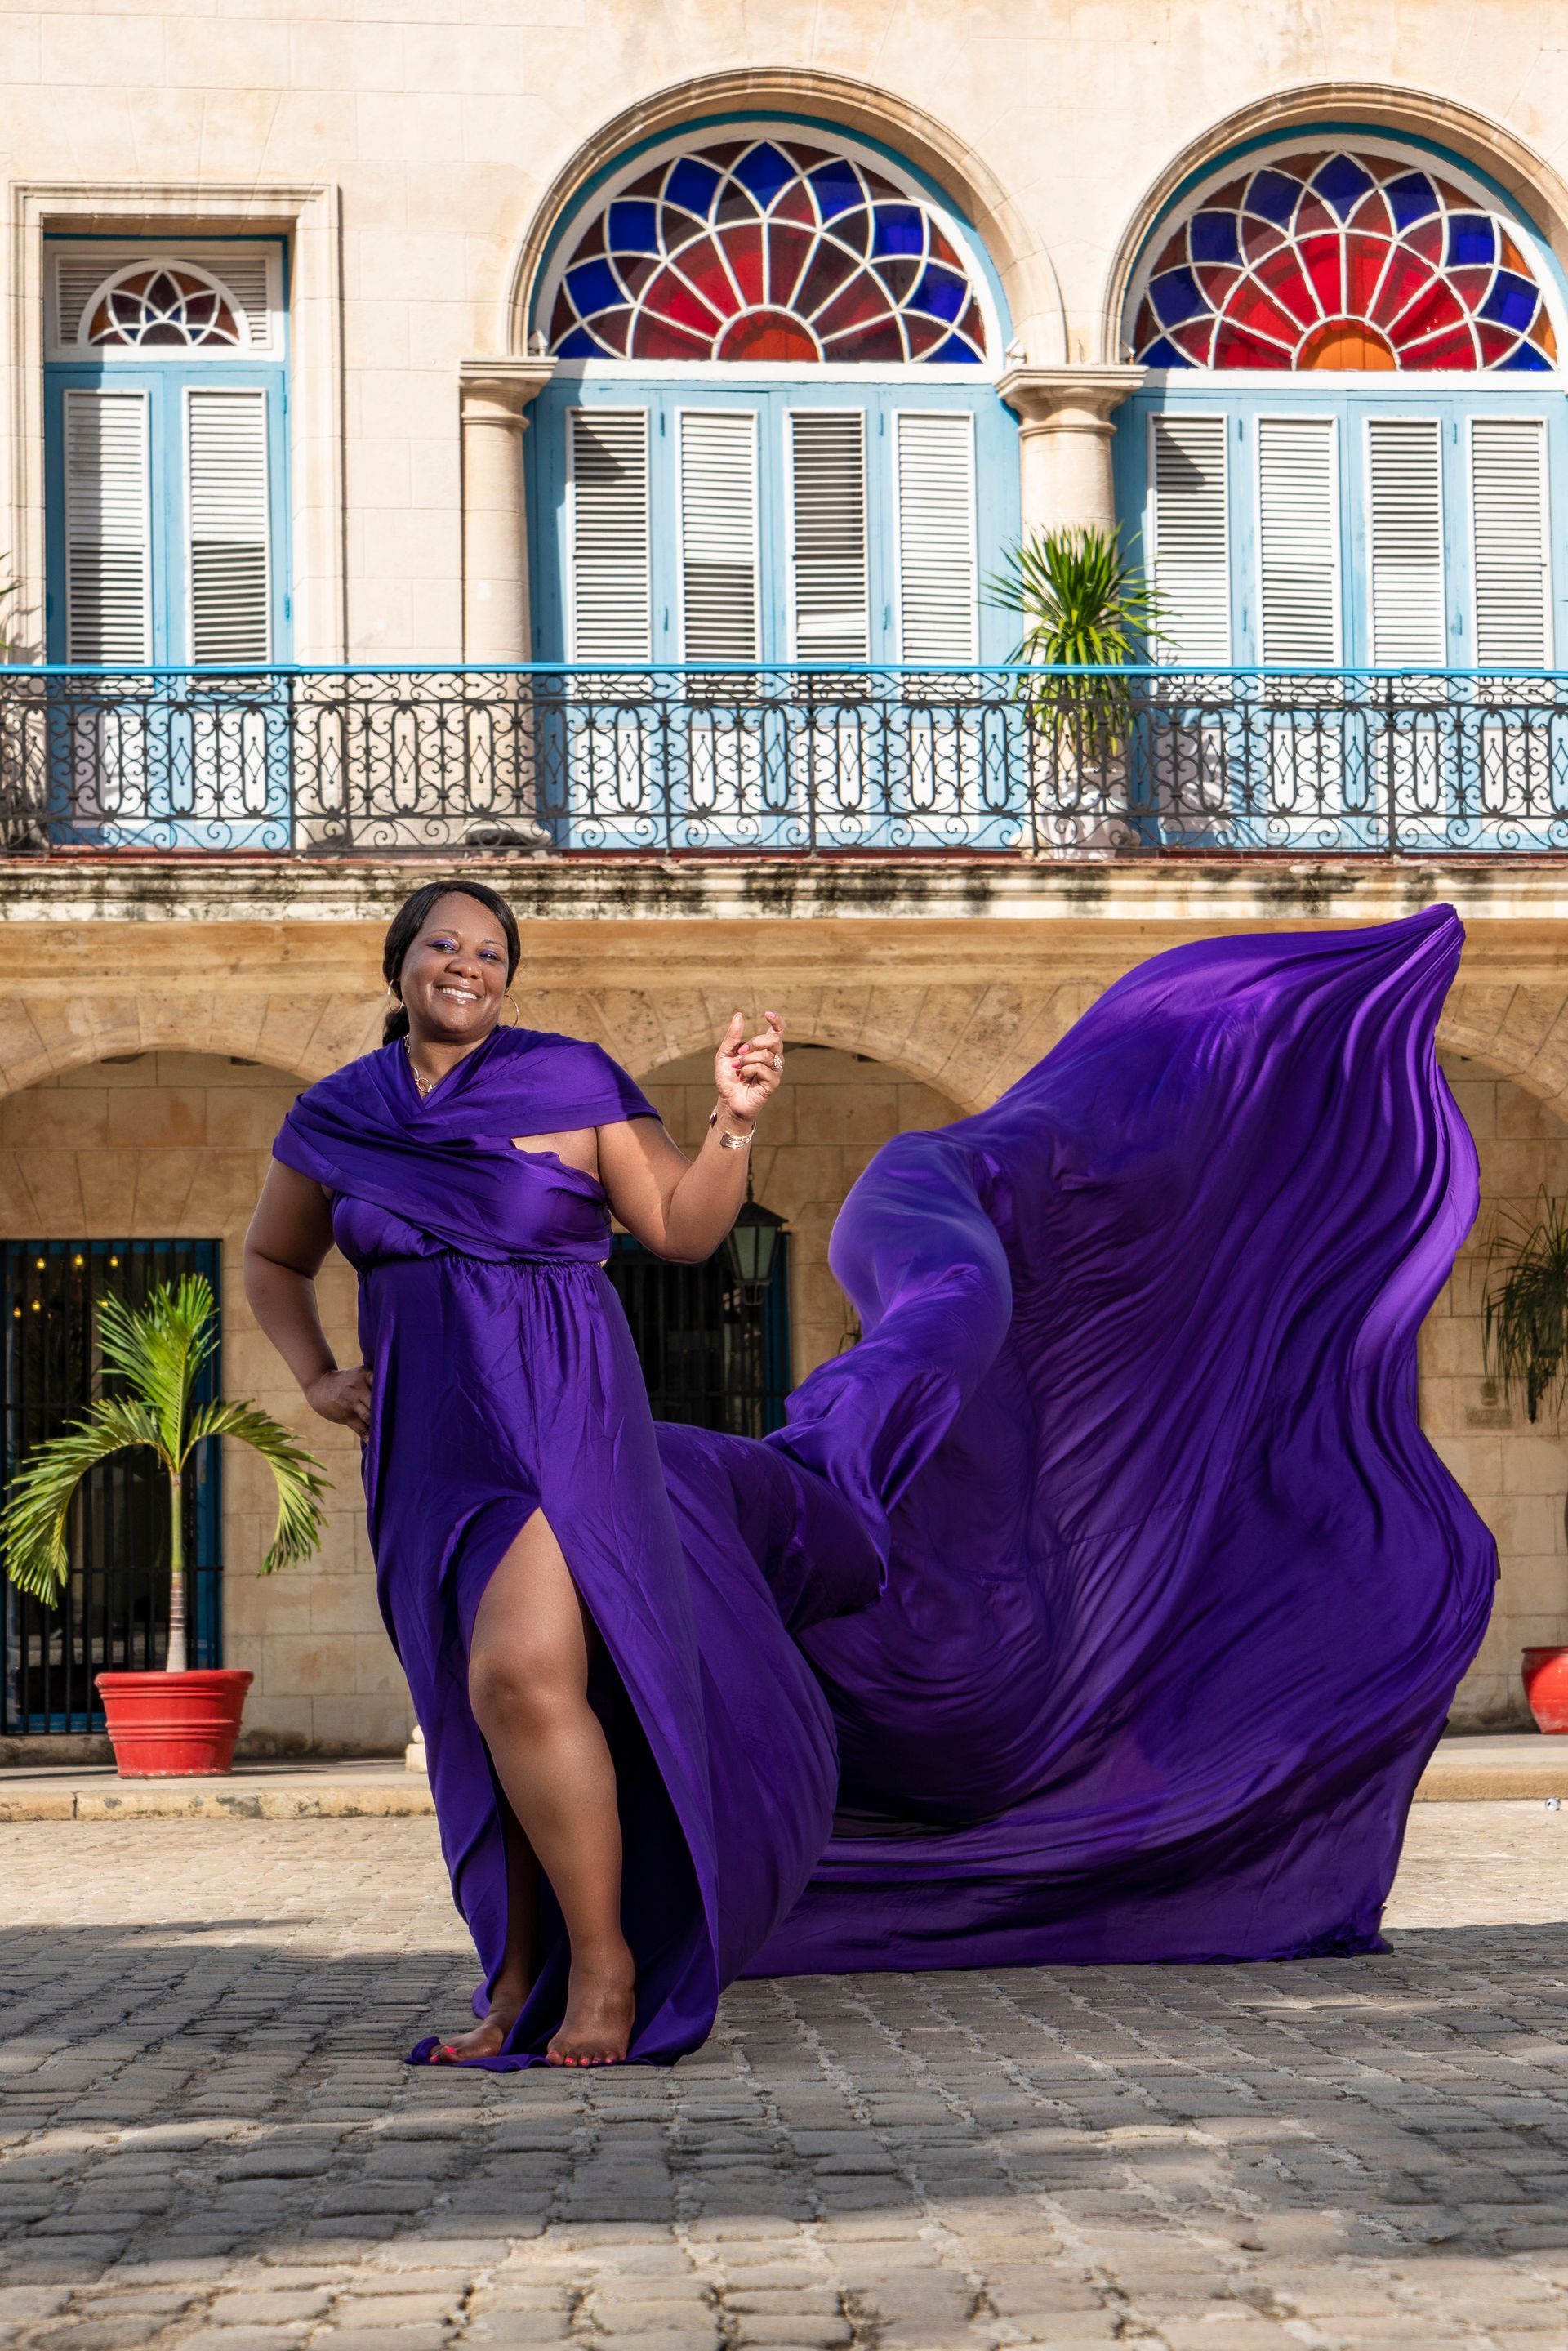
[692,185]
[897,228]
[1341,182]
[593,287]
[1164,354]
[1526,357]
[1472,237]
[1411,198]
[580,345]
[940,295]
[764,171]
[1510,303]
[1176,296]
[1212,237]
[1274,197]
[954,348]
[633,228]
[837,188]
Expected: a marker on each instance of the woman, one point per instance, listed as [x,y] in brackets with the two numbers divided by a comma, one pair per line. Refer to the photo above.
[441,1354]
[1133,1594]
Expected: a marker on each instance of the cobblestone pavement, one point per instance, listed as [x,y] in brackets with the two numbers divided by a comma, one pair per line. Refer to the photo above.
[207,2142]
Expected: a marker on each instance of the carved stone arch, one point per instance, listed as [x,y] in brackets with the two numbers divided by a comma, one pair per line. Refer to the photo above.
[1468,136]
[1027,275]
[301,1040]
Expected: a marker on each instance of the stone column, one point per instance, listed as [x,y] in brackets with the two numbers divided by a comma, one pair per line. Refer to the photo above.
[494,511]
[1065,442]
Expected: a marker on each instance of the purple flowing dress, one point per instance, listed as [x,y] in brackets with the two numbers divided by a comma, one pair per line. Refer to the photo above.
[1103,1603]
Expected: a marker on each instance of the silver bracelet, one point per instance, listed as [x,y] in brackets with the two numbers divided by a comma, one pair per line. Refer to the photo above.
[732,1142]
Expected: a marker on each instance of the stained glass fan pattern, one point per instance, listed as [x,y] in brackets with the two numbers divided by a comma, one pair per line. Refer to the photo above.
[155,308]
[767,250]
[1338,260]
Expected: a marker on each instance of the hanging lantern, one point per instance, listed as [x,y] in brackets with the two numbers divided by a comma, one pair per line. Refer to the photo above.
[752,1247]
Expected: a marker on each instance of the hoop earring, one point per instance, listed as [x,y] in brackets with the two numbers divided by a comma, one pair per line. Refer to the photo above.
[516,1020]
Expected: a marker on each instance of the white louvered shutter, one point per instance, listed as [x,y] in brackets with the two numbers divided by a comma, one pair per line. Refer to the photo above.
[827,537]
[938,591]
[1405,533]
[109,597]
[612,608]
[1508,523]
[227,508]
[1192,539]
[1298,534]
[719,535]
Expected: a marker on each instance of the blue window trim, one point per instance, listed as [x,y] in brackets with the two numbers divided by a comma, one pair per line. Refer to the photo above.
[166,469]
[1196,394]
[879,399]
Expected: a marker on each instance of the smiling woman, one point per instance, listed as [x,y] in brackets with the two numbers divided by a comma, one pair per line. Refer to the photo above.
[522,1537]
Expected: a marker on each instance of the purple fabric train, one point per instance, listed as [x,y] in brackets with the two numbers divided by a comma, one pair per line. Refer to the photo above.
[1103,1603]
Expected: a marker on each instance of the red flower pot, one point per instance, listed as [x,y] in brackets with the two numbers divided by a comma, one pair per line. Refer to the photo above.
[1546,1688]
[173,1725]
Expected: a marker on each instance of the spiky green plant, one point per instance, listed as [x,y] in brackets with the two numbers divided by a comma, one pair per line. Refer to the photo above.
[158,1351]
[1525,1306]
[1085,604]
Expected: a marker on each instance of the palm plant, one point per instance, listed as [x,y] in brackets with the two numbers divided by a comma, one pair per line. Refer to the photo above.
[1085,604]
[158,1351]
[1524,1307]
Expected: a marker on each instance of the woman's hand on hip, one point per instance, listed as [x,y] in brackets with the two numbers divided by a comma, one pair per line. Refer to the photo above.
[343,1397]
[747,1069]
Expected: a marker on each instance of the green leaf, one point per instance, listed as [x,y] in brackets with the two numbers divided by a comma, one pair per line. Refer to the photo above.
[1084,603]
[160,1350]
[39,1501]
[298,1476]
[1525,1306]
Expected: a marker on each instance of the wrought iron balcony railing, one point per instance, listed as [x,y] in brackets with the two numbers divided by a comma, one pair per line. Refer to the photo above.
[1073,764]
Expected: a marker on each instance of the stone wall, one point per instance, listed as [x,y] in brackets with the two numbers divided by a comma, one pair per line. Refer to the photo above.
[831,1113]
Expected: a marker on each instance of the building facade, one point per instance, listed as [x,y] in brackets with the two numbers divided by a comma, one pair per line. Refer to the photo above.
[575,443]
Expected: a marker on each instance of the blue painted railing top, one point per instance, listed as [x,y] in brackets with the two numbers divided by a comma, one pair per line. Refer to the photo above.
[812,759]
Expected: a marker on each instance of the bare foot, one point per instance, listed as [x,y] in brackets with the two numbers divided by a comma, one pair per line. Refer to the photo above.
[486,2039]
[601,1999]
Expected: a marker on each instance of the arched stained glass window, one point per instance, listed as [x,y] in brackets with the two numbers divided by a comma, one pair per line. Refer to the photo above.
[771,250]
[169,307]
[1329,259]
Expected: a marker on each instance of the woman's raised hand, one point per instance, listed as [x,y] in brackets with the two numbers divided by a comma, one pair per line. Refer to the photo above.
[343,1397]
[747,1069]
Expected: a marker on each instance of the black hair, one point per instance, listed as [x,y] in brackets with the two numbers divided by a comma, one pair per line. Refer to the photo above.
[410,921]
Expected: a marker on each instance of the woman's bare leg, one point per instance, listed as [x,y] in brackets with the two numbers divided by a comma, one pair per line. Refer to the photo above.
[528,1685]
[516,1979]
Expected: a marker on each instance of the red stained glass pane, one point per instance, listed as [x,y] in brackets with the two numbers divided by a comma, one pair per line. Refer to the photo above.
[1252,312]
[592,240]
[1226,199]
[634,270]
[1365,258]
[1216,281]
[853,230]
[1324,258]
[1173,252]
[875,346]
[563,318]
[924,334]
[1372,216]
[1196,339]
[613,328]
[972,327]
[1495,342]
[1427,238]
[1259,236]
[1455,350]
[795,204]
[653,340]
[1281,276]
[1312,215]
[1405,279]
[1145,331]
[743,251]
[650,182]
[858,305]
[1472,284]
[1455,200]
[726,152]
[883,190]
[675,300]
[941,250]
[823,279]
[1234,348]
[698,261]
[1437,308]
[789,249]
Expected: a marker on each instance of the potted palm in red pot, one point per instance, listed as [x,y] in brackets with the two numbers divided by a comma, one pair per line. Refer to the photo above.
[176,1722]
[1525,1310]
